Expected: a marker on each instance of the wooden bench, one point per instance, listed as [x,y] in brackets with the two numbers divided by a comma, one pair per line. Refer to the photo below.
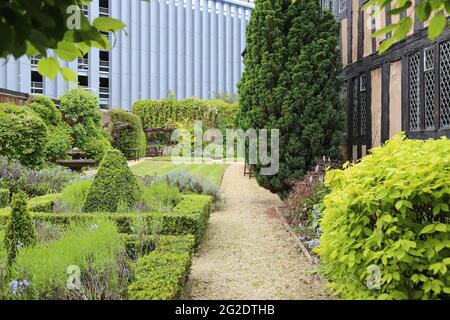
[154,152]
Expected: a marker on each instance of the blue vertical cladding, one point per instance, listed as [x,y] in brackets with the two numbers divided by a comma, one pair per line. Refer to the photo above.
[188,47]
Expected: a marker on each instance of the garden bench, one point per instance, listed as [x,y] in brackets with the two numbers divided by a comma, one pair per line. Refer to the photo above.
[154,152]
[133,154]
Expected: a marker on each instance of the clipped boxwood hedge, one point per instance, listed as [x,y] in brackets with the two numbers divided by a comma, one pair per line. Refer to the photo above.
[189,217]
[38,204]
[386,224]
[161,274]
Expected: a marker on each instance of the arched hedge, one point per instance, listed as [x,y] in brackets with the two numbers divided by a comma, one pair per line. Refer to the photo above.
[132,136]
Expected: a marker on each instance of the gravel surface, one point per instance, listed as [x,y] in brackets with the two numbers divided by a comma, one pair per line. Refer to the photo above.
[247,253]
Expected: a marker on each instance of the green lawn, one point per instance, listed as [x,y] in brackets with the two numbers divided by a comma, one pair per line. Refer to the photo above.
[213,172]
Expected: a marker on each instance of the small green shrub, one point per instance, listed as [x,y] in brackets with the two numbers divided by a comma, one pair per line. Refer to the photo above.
[114,183]
[160,197]
[74,195]
[96,149]
[23,135]
[4,198]
[390,213]
[94,247]
[20,229]
[161,275]
[131,137]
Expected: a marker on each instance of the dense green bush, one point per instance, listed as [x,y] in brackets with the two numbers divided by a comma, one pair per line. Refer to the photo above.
[291,83]
[161,275]
[94,247]
[46,109]
[172,113]
[23,135]
[96,148]
[387,219]
[131,137]
[20,229]
[4,198]
[113,184]
[16,177]
[80,109]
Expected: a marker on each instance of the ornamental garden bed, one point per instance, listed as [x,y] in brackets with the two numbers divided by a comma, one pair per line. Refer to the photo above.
[113,237]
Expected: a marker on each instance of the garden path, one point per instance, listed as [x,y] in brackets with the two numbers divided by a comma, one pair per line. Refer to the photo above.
[247,253]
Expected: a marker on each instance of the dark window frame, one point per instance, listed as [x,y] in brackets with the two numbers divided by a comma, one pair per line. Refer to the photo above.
[424,132]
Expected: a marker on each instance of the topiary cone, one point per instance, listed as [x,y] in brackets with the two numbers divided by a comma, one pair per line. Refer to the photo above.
[114,183]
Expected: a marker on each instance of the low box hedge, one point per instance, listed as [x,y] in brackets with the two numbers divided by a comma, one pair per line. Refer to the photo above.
[4,198]
[161,274]
[38,204]
[190,216]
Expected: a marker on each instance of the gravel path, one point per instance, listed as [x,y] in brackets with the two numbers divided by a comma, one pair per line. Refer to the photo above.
[247,253]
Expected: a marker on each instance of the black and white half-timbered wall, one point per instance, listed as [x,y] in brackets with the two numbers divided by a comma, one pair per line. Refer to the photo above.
[405,89]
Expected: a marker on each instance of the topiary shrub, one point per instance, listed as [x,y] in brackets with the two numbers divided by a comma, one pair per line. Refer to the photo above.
[23,135]
[113,184]
[20,229]
[131,137]
[386,224]
[4,198]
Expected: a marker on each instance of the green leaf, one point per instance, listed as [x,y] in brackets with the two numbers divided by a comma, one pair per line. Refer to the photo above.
[67,51]
[48,67]
[428,229]
[404,26]
[423,11]
[437,24]
[107,24]
[441,227]
[69,75]
[384,30]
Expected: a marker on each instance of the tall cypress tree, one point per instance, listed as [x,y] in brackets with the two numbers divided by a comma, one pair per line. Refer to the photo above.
[304,95]
[264,59]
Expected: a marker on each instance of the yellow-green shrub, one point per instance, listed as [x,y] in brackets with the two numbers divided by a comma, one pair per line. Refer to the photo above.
[390,213]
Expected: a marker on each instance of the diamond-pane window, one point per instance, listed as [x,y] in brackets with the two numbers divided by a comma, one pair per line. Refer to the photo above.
[444,69]
[430,87]
[363,103]
[355,107]
[414,91]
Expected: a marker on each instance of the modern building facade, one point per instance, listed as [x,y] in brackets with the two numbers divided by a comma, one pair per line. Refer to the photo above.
[186,47]
[405,89]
